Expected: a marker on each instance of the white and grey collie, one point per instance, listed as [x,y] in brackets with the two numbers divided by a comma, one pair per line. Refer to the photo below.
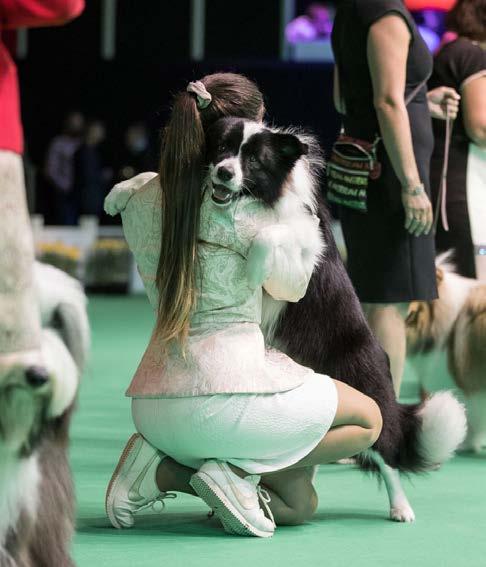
[453,327]
[326,330]
[36,403]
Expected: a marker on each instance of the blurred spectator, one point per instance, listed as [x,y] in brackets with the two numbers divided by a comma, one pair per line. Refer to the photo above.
[60,167]
[430,24]
[315,24]
[461,64]
[136,155]
[91,175]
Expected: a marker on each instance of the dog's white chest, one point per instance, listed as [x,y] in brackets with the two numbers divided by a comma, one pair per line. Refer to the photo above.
[19,490]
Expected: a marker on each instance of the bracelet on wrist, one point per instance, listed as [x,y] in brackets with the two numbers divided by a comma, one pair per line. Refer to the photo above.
[414,190]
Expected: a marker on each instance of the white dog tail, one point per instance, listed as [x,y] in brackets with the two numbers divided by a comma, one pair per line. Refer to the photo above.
[443,428]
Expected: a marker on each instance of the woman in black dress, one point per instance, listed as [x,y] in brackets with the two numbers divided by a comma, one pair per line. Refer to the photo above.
[380,59]
[461,64]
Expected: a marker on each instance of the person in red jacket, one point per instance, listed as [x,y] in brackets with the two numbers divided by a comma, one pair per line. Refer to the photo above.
[19,321]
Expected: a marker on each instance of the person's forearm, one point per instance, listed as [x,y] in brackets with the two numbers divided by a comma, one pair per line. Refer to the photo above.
[336,93]
[395,130]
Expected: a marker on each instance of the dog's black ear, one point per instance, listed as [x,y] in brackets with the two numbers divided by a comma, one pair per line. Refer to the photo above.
[289,146]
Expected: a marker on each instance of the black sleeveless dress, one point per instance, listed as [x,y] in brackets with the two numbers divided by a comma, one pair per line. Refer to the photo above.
[386,264]
[455,65]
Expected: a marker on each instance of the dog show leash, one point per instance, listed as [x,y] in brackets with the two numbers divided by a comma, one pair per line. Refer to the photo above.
[441,204]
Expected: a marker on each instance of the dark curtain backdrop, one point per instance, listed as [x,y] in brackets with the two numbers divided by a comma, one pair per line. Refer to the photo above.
[64,70]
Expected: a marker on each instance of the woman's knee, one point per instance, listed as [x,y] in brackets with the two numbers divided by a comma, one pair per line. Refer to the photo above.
[355,408]
[375,420]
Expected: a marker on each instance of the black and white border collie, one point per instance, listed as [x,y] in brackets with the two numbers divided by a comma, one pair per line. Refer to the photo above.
[326,330]
[36,493]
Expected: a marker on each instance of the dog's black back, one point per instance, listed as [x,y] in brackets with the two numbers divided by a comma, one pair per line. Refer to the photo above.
[327,331]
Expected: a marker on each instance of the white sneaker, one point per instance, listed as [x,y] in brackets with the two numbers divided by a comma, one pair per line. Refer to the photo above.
[133,486]
[234,500]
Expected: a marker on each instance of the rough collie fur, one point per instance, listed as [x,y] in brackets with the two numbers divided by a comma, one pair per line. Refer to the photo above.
[454,326]
[36,493]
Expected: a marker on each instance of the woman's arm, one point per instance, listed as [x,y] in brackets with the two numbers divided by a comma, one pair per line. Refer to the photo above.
[336,93]
[474,109]
[387,49]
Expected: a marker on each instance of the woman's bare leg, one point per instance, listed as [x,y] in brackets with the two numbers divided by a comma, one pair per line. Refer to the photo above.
[356,427]
[388,324]
[174,477]
[293,497]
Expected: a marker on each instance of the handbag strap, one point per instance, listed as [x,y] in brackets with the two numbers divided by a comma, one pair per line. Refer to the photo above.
[415,92]
[408,100]
[441,204]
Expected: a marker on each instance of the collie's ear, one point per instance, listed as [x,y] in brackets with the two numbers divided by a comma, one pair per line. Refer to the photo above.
[290,146]
[439,274]
[413,313]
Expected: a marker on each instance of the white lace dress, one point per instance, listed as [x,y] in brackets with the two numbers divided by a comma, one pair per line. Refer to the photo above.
[228,396]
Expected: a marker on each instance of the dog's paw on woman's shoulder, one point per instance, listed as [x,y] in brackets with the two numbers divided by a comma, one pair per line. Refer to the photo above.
[117,199]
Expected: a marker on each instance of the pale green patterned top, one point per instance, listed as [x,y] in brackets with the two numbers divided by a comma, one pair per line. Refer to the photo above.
[225,351]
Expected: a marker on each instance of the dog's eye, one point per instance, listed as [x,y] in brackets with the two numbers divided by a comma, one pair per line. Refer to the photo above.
[221,148]
[252,159]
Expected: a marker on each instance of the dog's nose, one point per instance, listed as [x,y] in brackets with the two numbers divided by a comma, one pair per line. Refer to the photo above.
[226,172]
[36,376]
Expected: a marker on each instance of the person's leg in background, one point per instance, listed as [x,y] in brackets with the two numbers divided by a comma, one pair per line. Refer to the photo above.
[387,321]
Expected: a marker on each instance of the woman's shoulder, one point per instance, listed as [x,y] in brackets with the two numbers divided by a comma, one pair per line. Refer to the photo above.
[369,11]
[460,59]
[460,47]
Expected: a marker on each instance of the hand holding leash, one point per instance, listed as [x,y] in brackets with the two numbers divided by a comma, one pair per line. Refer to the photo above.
[443,103]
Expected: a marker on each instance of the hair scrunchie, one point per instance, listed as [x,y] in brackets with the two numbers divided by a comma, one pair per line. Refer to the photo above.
[204,97]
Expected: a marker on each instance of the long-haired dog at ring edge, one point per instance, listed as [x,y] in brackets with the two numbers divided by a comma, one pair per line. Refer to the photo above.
[452,329]
[36,492]
[327,330]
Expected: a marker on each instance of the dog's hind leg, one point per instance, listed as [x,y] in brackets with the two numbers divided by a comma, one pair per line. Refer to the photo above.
[476,422]
[400,509]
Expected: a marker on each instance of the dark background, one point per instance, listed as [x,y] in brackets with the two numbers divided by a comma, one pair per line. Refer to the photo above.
[64,71]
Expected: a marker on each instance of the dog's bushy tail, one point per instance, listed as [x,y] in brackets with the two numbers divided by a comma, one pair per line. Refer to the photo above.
[431,432]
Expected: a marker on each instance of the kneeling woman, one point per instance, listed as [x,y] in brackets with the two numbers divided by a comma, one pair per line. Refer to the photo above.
[217,414]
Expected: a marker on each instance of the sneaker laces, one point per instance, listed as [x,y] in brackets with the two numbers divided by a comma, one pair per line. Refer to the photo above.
[157,504]
[263,495]
[265,499]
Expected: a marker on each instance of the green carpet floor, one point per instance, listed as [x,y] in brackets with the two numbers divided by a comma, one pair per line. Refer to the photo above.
[350,529]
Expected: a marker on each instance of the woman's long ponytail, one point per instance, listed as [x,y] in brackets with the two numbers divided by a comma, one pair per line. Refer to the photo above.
[181,175]
[181,178]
